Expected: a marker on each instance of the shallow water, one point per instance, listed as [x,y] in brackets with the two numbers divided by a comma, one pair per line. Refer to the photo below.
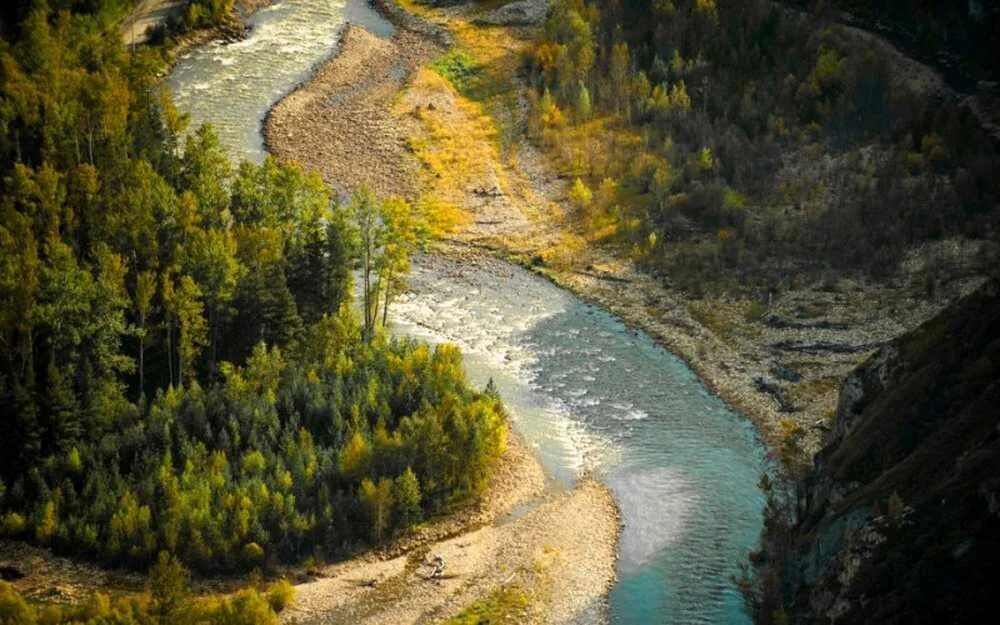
[591,395]
[595,397]
[232,85]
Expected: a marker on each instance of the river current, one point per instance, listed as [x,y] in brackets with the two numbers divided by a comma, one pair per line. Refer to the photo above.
[592,396]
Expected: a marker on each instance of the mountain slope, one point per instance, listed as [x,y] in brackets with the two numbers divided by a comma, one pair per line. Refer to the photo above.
[900,520]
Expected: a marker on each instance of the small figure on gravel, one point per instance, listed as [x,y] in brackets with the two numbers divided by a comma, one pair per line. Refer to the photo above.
[437,567]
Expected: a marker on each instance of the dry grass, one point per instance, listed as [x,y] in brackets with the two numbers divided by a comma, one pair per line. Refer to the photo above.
[808,391]
[567,252]
[456,146]
[713,316]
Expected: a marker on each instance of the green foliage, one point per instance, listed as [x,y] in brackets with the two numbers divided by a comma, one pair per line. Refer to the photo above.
[387,231]
[580,194]
[377,502]
[505,605]
[460,69]
[167,602]
[583,106]
[13,524]
[168,584]
[895,509]
[790,432]
[407,498]
[280,595]
[709,106]
[204,13]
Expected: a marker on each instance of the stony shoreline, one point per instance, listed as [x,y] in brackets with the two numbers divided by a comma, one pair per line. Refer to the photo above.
[340,122]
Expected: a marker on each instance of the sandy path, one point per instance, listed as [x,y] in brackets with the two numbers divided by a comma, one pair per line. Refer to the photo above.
[149,14]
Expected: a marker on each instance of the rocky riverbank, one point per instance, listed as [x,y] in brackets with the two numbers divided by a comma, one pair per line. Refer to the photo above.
[341,122]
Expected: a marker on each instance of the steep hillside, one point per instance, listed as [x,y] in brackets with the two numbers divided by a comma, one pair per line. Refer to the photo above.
[900,520]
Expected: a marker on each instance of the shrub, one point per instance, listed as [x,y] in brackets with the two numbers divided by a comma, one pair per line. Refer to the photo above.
[280,595]
[460,69]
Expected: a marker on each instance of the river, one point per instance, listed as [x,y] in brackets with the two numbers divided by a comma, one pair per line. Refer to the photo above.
[591,395]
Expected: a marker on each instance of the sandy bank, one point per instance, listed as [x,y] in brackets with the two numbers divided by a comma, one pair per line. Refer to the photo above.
[340,123]
[539,553]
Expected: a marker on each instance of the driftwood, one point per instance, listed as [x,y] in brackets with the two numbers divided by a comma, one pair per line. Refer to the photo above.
[604,276]
[369,582]
[776,321]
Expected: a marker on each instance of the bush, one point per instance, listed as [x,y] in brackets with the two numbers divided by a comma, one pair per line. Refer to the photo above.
[460,69]
[253,553]
[280,595]
[12,524]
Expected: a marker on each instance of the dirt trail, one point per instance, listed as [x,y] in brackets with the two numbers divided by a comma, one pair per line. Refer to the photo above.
[149,14]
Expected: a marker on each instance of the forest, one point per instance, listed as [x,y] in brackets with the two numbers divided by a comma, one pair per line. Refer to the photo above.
[196,14]
[181,367]
[734,144]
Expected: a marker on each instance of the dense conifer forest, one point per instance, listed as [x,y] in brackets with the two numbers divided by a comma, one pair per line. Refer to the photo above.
[181,369]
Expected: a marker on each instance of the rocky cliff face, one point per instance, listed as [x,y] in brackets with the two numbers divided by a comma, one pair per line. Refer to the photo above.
[900,520]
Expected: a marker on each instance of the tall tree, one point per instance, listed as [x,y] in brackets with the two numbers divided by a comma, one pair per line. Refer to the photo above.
[387,233]
[210,257]
[145,289]
[191,337]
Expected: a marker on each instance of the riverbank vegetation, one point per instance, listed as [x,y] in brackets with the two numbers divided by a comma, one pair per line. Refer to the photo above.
[735,144]
[168,600]
[180,366]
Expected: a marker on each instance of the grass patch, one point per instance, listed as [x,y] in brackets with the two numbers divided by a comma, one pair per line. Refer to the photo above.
[809,391]
[461,70]
[457,148]
[566,253]
[505,605]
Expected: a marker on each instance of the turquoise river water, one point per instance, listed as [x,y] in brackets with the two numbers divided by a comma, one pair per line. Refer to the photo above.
[591,395]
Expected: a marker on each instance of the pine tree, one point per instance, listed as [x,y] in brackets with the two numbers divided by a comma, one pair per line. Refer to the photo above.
[64,410]
[406,493]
